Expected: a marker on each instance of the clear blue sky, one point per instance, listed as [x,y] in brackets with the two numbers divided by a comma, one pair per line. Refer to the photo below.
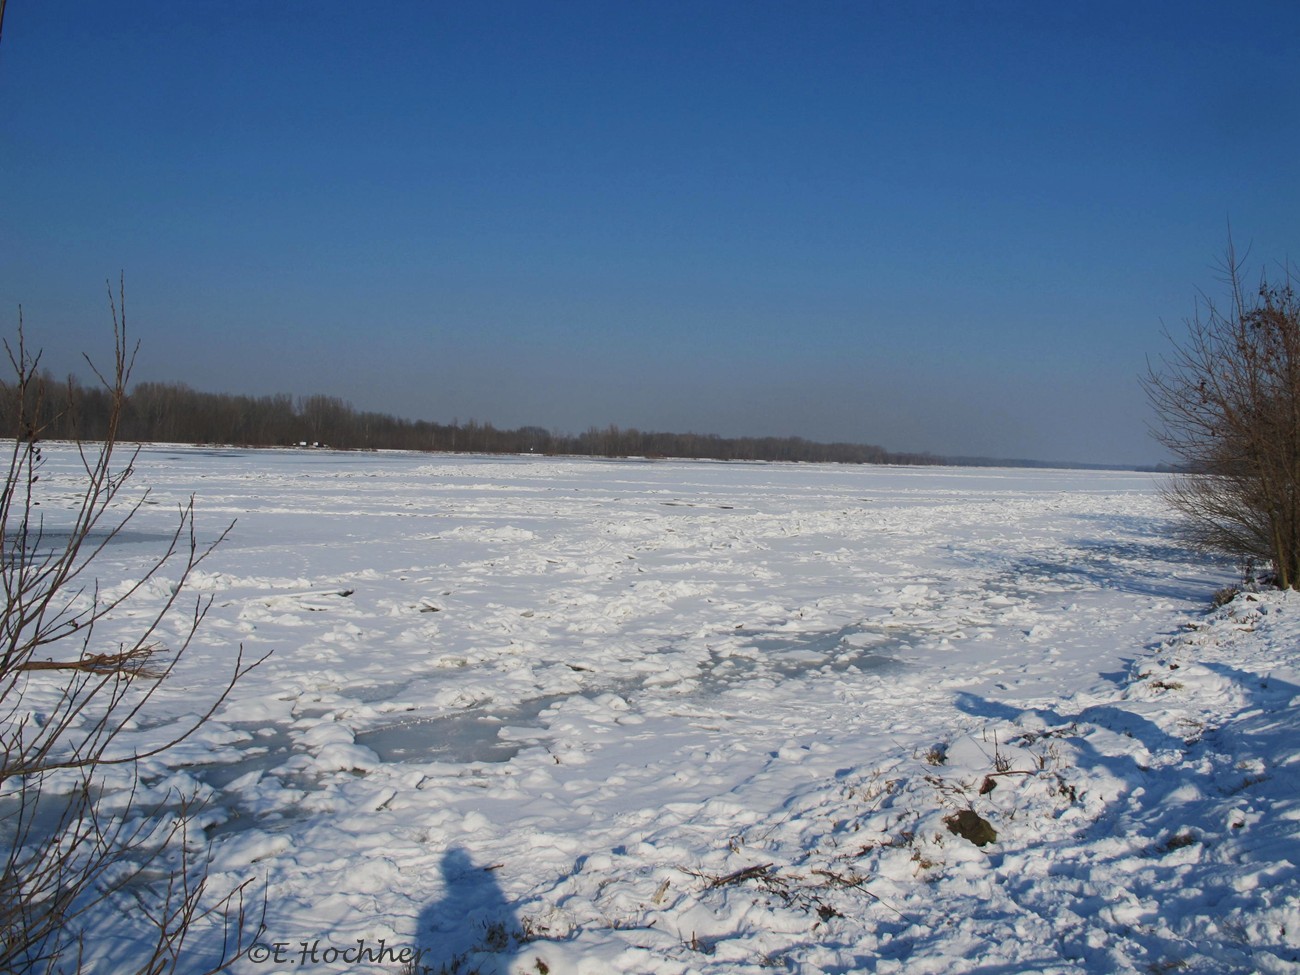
[953,227]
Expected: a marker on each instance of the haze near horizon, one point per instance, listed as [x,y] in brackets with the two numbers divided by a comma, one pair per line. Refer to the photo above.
[943,227]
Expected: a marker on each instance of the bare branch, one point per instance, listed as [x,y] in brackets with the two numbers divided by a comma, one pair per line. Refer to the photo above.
[69,859]
[1228,398]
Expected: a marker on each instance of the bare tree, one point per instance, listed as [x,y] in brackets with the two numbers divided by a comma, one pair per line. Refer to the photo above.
[76,838]
[1228,400]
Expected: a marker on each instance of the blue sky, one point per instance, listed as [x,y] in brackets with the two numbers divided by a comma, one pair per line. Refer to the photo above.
[954,227]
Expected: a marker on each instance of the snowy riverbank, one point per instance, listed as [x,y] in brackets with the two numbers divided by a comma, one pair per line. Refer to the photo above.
[531,715]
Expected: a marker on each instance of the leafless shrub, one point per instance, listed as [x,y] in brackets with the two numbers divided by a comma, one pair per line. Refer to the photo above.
[1228,400]
[77,838]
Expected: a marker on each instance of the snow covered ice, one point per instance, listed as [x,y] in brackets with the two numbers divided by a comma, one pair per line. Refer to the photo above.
[586,716]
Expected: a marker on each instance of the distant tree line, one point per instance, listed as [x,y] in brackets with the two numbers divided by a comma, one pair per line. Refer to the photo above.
[174,413]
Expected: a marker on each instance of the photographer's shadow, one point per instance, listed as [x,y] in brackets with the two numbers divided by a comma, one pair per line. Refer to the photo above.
[472,928]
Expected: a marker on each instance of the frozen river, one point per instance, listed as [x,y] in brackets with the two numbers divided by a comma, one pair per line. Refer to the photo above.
[565,696]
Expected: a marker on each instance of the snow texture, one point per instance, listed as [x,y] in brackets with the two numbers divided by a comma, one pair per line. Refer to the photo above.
[582,716]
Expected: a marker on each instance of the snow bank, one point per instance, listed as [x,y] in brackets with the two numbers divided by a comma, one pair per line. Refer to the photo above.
[552,715]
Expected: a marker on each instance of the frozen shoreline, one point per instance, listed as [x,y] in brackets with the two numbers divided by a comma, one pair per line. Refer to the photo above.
[712,698]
